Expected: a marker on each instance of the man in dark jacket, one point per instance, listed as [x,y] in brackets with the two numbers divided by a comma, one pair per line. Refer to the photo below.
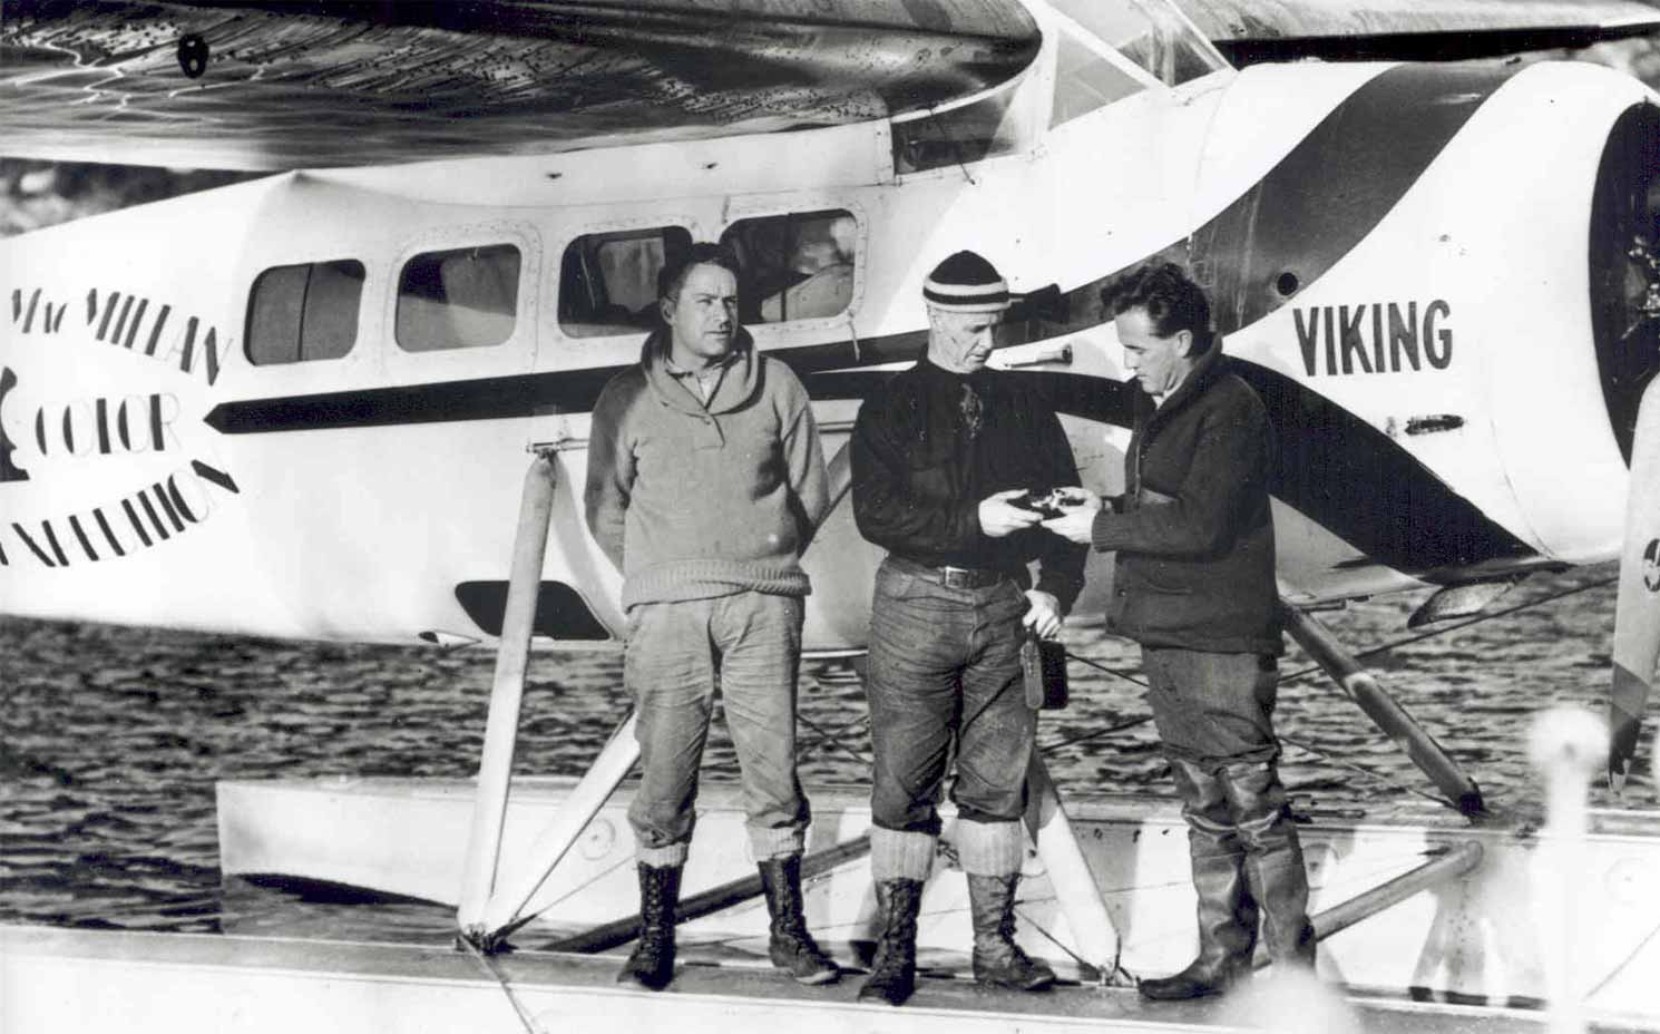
[1194,585]
[941,454]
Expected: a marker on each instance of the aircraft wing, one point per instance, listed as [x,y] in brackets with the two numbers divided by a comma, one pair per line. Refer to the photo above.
[1252,31]
[269,85]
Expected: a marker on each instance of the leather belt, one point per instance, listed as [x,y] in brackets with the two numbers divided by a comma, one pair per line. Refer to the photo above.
[953,577]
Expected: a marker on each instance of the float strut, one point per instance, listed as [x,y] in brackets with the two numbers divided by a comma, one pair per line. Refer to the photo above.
[1459,860]
[1362,687]
[1075,887]
[510,908]
[501,730]
[1456,862]
[486,916]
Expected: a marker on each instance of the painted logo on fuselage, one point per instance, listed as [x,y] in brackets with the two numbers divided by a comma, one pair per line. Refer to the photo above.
[127,321]
[1374,337]
[38,435]
[9,470]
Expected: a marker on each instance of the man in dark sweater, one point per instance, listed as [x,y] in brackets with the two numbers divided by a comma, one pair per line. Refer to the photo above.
[1194,585]
[941,454]
[705,482]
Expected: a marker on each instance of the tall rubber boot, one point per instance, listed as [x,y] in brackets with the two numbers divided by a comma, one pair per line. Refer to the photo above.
[998,960]
[1227,912]
[791,948]
[651,964]
[893,970]
[1273,860]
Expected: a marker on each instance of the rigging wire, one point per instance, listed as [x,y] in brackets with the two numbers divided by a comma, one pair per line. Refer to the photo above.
[833,738]
[624,862]
[1117,672]
[1478,619]
[1113,976]
[490,968]
[1315,669]
[1109,730]
[1363,770]
[1617,970]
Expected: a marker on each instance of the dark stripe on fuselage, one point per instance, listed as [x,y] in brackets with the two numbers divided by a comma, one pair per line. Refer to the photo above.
[1351,478]
[1324,197]
[1309,211]
[505,398]
[1072,394]
[1320,201]
[489,398]
[1334,187]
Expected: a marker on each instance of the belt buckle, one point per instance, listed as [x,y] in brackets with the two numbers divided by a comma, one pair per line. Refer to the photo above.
[957,577]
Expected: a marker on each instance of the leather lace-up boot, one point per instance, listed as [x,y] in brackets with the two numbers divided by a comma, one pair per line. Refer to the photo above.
[651,964]
[893,970]
[998,960]
[791,948]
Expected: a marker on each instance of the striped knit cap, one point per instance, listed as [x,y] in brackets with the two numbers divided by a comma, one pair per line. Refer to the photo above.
[965,282]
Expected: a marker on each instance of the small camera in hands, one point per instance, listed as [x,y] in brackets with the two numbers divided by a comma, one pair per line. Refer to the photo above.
[1047,502]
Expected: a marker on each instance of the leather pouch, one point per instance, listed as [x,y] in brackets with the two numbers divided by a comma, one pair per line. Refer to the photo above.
[1043,666]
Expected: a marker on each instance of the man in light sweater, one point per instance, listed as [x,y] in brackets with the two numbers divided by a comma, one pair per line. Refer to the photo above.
[705,482]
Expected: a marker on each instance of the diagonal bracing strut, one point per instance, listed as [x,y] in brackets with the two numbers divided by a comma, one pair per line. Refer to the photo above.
[1362,687]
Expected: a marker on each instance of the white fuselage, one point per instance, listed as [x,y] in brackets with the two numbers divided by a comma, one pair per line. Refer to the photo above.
[156,475]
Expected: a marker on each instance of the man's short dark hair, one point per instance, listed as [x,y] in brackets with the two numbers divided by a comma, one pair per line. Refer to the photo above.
[1172,300]
[673,274]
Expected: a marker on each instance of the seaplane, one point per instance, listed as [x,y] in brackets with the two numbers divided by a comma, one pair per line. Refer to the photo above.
[349,400]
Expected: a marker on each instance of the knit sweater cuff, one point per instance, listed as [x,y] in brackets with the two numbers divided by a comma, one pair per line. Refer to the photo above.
[1100,533]
[711,577]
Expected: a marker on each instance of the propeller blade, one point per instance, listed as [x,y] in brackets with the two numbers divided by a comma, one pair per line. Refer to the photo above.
[1637,612]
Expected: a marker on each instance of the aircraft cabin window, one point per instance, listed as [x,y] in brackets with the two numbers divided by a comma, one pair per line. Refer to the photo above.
[1085,81]
[304,312]
[608,281]
[466,298]
[1152,33]
[795,267]
[956,137]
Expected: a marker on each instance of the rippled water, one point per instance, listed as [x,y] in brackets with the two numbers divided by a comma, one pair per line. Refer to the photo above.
[111,739]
